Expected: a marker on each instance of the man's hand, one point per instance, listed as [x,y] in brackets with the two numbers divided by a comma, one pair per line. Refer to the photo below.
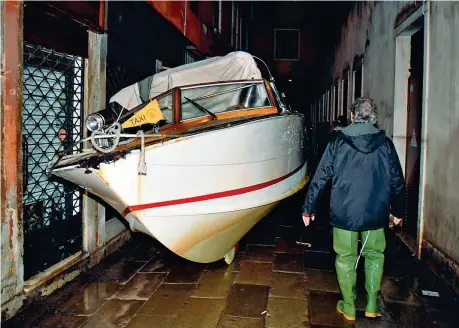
[307,218]
[397,221]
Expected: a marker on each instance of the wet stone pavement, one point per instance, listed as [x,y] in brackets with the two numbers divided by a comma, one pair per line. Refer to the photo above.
[268,285]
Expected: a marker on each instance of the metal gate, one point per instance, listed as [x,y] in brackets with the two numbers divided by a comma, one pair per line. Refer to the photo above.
[51,121]
[117,79]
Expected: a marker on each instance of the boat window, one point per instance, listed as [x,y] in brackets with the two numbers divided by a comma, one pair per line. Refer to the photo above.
[165,104]
[223,98]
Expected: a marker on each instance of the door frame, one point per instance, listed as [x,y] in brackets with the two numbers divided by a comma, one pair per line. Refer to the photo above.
[404,31]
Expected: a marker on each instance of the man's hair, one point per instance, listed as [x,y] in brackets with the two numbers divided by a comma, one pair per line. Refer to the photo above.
[365,111]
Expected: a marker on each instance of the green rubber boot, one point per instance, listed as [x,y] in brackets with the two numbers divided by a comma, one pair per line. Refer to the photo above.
[373,252]
[345,246]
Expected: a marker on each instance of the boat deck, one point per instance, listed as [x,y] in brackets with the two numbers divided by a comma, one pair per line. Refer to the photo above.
[167,133]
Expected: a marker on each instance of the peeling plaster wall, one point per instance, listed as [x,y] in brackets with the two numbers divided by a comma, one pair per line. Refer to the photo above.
[11,14]
[4,234]
[370,30]
[441,211]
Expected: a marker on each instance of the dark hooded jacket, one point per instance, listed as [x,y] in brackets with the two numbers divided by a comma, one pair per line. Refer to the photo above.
[367,179]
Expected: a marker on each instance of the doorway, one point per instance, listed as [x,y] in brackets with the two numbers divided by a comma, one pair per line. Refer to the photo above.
[413,132]
[410,106]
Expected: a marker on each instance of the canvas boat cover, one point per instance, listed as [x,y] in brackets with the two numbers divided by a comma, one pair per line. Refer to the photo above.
[234,66]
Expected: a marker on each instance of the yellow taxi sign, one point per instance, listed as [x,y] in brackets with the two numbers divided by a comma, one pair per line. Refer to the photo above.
[150,114]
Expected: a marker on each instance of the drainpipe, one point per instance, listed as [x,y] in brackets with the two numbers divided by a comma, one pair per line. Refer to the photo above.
[232,23]
[184,23]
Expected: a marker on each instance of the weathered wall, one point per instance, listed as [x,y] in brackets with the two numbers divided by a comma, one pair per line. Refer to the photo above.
[10,155]
[441,207]
[370,30]
[191,25]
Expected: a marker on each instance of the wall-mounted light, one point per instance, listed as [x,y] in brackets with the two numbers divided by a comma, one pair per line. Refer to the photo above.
[290,80]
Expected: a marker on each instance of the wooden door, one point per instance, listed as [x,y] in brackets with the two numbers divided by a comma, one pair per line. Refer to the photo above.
[413,153]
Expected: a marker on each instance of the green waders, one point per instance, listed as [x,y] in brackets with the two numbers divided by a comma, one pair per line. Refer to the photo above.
[345,245]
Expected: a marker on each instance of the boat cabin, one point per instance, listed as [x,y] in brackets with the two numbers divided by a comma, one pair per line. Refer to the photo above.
[202,103]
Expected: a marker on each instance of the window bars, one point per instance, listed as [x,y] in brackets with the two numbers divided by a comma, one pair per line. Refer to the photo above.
[52,114]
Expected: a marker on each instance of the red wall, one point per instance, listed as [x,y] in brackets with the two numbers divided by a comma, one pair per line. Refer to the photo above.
[208,43]
[262,45]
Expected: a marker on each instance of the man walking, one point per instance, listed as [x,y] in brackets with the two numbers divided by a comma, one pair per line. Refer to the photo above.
[367,186]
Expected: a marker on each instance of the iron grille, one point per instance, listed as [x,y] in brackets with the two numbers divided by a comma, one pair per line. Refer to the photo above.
[117,79]
[52,108]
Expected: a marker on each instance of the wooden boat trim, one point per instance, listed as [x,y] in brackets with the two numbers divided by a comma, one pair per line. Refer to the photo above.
[189,86]
[271,94]
[176,94]
[202,122]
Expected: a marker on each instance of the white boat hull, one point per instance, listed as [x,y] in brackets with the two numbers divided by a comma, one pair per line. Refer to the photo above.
[203,193]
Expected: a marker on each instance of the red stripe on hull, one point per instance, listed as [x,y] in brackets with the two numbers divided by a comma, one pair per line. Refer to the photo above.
[221,194]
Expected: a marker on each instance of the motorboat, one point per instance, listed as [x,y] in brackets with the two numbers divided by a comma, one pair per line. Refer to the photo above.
[193,156]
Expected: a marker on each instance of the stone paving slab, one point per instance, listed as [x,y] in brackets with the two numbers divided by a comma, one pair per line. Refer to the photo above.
[140,287]
[321,281]
[410,316]
[371,323]
[259,253]
[319,260]
[281,246]
[151,321]
[167,300]
[158,264]
[288,285]
[398,290]
[247,301]
[200,312]
[287,313]
[214,284]
[88,300]
[255,273]
[222,266]
[121,273]
[322,310]
[113,314]
[288,263]
[185,273]
[239,322]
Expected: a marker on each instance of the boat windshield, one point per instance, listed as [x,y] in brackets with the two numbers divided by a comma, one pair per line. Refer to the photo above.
[166,105]
[219,98]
